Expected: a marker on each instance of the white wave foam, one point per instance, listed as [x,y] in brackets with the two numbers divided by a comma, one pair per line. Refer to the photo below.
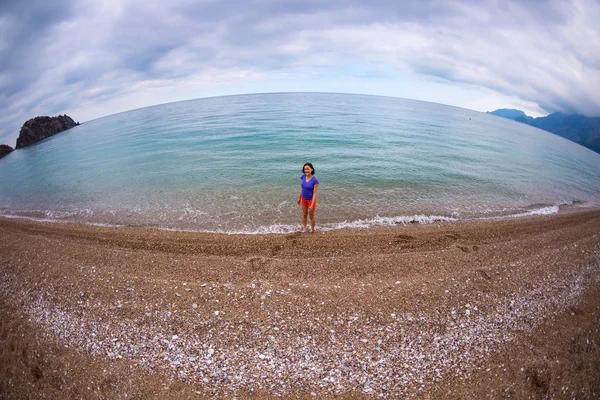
[512,213]
[390,221]
[56,216]
[538,211]
[261,230]
[356,224]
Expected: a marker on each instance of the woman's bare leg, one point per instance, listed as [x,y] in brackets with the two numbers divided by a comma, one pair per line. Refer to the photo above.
[312,221]
[304,217]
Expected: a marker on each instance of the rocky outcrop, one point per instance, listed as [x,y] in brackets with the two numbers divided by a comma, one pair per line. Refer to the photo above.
[5,149]
[39,128]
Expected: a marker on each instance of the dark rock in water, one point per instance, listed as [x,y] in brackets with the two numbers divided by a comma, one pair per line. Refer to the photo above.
[5,149]
[39,128]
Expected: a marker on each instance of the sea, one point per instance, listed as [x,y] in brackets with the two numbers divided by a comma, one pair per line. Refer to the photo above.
[233,164]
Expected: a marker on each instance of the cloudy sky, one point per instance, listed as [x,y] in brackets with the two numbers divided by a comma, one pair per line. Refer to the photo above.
[91,58]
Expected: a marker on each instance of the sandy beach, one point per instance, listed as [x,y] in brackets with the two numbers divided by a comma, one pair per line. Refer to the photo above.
[484,309]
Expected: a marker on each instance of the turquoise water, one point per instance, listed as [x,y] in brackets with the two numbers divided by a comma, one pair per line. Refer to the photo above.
[233,164]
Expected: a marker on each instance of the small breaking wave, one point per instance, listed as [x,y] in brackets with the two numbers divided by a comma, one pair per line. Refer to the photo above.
[331,226]
[538,211]
[533,210]
[389,221]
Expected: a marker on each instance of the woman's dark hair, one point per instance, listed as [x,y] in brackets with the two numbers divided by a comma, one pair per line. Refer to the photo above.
[311,167]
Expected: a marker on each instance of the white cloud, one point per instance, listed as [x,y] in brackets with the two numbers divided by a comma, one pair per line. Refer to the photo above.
[104,57]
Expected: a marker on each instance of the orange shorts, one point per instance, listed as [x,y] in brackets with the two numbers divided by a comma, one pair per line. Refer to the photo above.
[306,203]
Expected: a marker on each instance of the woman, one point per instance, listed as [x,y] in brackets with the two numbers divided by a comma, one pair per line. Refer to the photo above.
[308,195]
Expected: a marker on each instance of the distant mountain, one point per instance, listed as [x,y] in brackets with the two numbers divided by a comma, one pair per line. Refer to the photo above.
[508,113]
[577,128]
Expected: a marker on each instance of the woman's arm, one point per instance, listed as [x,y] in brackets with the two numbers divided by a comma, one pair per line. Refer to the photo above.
[300,196]
[314,199]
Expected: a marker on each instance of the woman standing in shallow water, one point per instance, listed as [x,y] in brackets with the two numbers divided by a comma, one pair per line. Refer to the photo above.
[308,195]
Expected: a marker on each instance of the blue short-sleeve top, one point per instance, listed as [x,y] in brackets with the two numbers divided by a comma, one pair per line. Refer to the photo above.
[308,188]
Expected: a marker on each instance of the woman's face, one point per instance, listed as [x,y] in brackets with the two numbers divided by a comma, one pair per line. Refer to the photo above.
[307,170]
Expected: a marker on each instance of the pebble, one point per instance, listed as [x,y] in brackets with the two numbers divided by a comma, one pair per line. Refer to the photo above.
[393,356]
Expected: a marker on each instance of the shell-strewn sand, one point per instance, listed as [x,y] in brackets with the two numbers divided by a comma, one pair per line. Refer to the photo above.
[490,309]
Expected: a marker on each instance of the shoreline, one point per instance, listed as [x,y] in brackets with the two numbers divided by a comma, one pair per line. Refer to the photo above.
[446,310]
[372,223]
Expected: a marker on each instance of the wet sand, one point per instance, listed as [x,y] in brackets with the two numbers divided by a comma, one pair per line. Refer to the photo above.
[487,309]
